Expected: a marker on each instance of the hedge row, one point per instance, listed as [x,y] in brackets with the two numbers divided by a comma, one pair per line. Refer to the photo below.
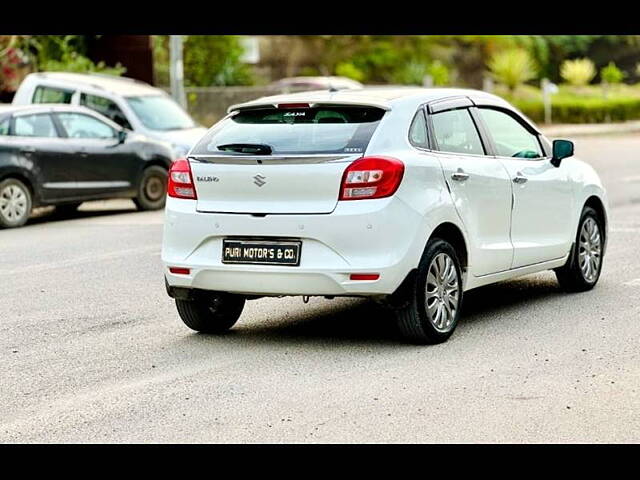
[583,110]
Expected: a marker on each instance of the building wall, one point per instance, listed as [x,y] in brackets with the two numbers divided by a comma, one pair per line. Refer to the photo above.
[132,51]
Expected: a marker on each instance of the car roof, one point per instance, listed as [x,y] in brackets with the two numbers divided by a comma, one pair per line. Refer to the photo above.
[52,107]
[111,83]
[382,97]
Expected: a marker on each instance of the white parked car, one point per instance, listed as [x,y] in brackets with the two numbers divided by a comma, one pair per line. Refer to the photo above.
[132,104]
[409,196]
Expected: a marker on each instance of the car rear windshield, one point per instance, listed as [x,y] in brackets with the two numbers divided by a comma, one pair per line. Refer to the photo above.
[322,129]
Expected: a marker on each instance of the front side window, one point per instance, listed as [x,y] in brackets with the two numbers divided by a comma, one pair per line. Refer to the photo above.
[455,132]
[40,125]
[44,94]
[317,130]
[510,137]
[106,107]
[78,125]
[160,112]
[418,130]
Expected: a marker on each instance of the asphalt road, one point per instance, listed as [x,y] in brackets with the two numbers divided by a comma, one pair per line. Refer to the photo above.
[92,349]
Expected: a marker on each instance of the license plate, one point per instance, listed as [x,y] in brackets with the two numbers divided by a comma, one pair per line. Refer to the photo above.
[261,252]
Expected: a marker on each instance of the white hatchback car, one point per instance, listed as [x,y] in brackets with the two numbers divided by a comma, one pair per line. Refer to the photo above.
[132,104]
[409,196]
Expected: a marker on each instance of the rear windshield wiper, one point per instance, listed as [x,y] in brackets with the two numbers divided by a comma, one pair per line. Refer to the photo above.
[251,148]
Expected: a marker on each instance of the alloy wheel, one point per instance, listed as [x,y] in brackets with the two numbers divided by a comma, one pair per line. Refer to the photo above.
[590,249]
[442,292]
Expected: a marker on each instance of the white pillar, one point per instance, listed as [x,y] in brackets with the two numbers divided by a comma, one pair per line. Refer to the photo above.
[176,71]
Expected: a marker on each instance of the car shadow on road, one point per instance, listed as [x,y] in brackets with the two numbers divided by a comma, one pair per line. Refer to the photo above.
[50,214]
[363,322]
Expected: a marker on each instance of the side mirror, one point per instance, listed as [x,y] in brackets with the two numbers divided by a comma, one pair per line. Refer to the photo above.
[561,149]
[122,136]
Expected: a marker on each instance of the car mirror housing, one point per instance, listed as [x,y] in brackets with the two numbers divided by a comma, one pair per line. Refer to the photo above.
[122,136]
[561,149]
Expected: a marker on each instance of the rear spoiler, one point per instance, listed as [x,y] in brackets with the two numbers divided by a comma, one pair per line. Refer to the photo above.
[257,104]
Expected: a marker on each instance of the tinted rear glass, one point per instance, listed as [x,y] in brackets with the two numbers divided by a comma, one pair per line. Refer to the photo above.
[296,131]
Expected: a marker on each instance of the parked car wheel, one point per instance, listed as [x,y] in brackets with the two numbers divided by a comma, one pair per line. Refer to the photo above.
[211,312]
[152,189]
[433,297]
[15,203]
[582,270]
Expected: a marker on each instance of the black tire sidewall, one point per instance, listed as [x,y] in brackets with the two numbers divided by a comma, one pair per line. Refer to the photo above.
[14,181]
[142,201]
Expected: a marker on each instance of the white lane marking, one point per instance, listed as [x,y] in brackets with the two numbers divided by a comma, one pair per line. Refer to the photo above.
[633,283]
[80,260]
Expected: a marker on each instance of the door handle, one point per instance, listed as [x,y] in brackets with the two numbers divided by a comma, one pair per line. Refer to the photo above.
[520,179]
[460,175]
[28,150]
[82,153]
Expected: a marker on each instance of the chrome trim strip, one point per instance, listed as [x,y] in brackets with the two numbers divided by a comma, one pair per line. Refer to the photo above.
[69,185]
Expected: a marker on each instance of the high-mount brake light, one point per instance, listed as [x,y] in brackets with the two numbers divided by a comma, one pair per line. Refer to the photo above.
[293,105]
[181,180]
[371,177]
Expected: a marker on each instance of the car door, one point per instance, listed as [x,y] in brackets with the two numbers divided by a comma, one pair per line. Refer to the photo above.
[102,164]
[542,194]
[38,141]
[478,183]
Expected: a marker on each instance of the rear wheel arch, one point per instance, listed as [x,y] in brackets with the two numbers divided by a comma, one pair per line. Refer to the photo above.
[26,179]
[453,235]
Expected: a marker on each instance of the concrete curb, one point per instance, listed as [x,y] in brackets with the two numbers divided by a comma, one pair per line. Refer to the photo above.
[570,130]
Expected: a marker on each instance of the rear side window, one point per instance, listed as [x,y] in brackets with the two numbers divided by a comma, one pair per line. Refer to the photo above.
[106,107]
[455,132]
[40,125]
[4,126]
[418,130]
[331,129]
[44,94]
[77,125]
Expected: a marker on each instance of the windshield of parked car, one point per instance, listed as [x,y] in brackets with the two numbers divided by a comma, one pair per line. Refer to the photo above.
[330,129]
[159,112]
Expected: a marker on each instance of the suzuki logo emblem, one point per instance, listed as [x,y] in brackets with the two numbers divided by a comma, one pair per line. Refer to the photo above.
[259,180]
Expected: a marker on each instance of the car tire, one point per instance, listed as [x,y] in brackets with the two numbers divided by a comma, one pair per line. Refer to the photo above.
[431,299]
[214,312]
[583,267]
[152,189]
[15,203]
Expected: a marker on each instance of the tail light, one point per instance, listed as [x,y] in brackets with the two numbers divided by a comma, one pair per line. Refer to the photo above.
[181,181]
[371,177]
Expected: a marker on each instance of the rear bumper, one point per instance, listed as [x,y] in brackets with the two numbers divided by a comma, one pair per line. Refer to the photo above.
[370,236]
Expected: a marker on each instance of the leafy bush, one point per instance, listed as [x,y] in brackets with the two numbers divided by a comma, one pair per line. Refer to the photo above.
[611,74]
[66,54]
[583,110]
[349,70]
[578,72]
[512,67]
[439,72]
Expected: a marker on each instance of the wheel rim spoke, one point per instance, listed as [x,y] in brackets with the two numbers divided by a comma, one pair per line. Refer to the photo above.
[441,292]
